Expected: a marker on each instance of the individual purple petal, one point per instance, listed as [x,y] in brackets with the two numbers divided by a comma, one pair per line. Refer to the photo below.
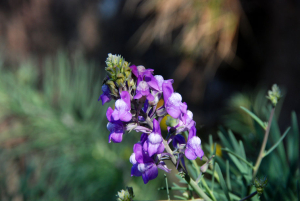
[163,166]
[140,155]
[193,148]
[144,137]
[152,82]
[105,97]
[108,114]
[138,96]
[116,132]
[122,111]
[135,171]
[173,105]
[134,70]
[156,127]
[149,171]
[167,89]
[183,107]
[178,139]
[125,96]
[142,129]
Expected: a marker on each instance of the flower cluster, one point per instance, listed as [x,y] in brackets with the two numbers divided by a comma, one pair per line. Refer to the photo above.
[137,92]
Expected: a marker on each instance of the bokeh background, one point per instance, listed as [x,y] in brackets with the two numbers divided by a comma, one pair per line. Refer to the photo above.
[53,137]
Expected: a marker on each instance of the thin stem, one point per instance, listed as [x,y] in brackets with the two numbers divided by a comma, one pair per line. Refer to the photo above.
[167,187]
[263,146]
[249,196]
[187,178]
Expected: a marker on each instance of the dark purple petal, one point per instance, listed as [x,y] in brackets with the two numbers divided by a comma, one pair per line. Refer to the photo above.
[116,132]
[144,137]
[150,173]
[108,114]
[135,171]
[178,139]
[104,98]
[167,90]
[140,155]
[152,82]
[156,127]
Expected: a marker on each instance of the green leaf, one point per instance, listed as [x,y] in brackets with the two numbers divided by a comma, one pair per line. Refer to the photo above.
[237,156]
[222,181]
[277,143]
[224,140]
[293,142]
[258,120]
[228,175]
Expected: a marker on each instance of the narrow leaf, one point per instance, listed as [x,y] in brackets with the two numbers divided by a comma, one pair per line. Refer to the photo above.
[228,175]
[260,122]
[222,181]
[277,143]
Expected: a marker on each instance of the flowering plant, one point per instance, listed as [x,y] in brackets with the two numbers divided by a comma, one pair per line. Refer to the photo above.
[137,92]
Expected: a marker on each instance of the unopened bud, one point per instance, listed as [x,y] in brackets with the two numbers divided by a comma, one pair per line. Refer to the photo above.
[274,95]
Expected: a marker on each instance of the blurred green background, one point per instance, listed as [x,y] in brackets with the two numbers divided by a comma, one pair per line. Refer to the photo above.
[53,136]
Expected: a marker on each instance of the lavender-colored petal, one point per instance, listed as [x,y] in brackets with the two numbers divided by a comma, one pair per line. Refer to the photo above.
[192,132]
[193,148]
[108,114]
[152,148]
[173,105]
[160,148]
[125,96]
[138,96]
[135,171]
[150,173]
[115,137]
[183,107]
[163,166]
[152,82]
[190,154]
[159,80]
[125,116]
[153,144]
[150,97]
[134,70]
[167,89]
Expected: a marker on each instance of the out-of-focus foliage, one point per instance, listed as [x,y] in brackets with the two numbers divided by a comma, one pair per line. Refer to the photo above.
[231,176]
[53,137]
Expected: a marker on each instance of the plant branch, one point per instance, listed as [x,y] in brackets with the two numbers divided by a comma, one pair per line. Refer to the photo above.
[263,146]
[187,178]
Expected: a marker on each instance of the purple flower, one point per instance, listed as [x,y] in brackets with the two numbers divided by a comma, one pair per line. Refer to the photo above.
[186,122]
[193,148]
[143,89]
[116,128]
[122,108]
[105,97]
[154,143]
[140,71]
[173,103]
[143,165]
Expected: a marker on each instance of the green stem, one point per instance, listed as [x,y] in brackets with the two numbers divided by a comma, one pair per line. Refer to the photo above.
[263,146]
[187,178]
